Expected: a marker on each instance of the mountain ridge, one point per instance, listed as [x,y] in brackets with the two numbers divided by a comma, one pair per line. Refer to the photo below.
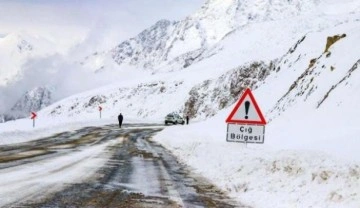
[185,42]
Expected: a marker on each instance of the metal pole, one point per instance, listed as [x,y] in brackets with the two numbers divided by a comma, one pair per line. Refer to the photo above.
[33,123]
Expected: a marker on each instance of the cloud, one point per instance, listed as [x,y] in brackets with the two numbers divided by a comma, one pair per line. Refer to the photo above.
[67,20]
[78,28]
[62,77]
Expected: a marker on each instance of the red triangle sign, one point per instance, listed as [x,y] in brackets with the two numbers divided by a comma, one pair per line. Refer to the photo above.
[246,111]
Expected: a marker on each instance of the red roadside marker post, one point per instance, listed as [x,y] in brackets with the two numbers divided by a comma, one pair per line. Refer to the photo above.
[100,109]
[33,116]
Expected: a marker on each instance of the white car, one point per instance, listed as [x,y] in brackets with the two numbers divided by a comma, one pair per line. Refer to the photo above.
[174,119]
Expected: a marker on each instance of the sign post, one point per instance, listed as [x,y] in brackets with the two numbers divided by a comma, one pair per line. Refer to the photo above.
[246,123]
[100,109]
[33,116]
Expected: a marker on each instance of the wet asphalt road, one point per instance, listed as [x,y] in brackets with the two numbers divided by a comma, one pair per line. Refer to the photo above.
[138,172]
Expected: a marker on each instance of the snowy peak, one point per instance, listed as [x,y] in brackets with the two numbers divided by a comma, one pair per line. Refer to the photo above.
[33,100]
[175,42]
[170,46]
[216,19]
[154,33]
[149,46]
[219,17]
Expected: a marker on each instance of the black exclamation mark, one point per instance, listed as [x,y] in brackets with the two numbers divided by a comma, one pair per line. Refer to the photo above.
[247,105]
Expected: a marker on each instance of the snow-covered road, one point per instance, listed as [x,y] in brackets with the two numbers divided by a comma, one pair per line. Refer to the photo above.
[101,167]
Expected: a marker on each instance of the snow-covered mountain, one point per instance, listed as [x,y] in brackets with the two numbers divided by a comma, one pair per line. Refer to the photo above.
[26,62]
[222,42]
[33,100]
[228,51]
[16,50]
[303,39]
[168,46]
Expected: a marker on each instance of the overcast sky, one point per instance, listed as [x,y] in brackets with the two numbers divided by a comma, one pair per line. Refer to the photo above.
[69,21]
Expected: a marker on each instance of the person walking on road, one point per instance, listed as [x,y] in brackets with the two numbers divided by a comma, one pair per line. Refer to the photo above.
[187,120]
[120,118]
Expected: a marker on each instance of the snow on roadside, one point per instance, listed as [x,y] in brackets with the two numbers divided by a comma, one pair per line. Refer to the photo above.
[261,175]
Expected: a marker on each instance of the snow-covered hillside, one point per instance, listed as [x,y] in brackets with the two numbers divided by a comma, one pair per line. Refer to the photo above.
[300,58]
[245,57]
[168,46]
[310,157]
[212,41]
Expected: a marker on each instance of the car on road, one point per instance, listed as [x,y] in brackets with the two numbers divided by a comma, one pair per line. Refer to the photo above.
[174,118]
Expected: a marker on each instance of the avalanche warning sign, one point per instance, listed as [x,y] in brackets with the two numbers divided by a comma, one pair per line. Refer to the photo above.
[246,111]
[246,123]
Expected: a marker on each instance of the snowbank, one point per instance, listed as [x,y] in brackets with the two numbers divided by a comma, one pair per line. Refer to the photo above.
[264,175]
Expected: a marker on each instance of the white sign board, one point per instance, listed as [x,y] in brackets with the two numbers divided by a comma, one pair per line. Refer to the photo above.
[245,133]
